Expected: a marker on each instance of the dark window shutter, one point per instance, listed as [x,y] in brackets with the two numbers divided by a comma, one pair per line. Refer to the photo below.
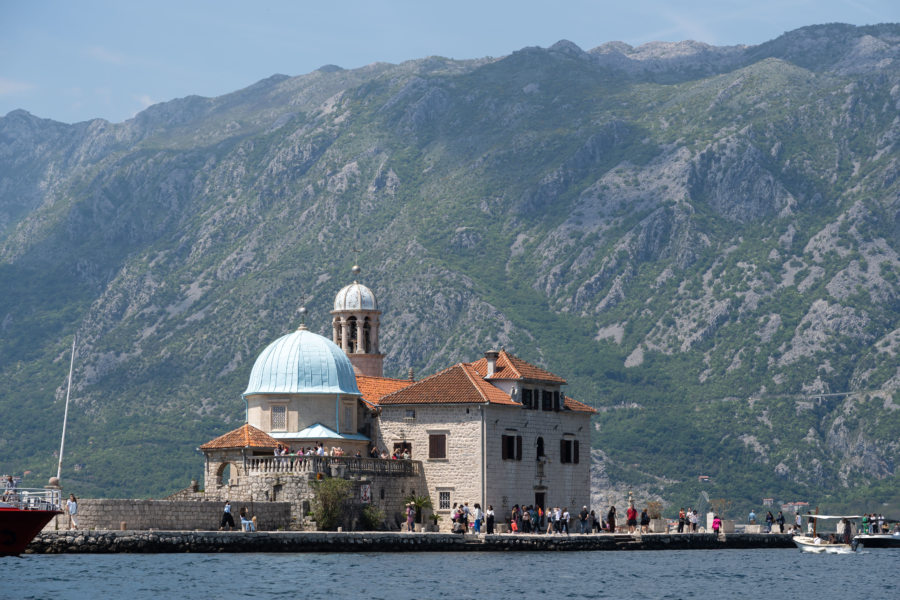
[575,452]
[504,447]
[437,446]
[562,451]
[518,447]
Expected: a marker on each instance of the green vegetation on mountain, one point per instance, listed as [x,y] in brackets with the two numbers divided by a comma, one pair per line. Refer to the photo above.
[703,241]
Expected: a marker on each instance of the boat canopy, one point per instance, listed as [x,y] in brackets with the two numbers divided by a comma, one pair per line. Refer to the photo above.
[833,516]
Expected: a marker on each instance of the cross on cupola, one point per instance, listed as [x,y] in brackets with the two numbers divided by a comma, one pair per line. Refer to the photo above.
[355,326]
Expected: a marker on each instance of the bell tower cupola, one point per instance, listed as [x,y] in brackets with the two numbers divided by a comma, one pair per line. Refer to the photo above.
[355,327]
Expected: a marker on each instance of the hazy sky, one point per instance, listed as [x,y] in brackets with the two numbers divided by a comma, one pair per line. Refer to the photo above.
[76,60]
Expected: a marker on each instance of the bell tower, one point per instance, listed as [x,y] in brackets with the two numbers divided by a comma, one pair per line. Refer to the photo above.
[355,323]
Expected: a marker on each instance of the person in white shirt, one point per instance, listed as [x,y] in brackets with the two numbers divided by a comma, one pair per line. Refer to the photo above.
[72,510]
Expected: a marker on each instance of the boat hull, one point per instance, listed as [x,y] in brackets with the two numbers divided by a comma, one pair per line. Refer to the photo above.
[807,544]
[18,527]
[883,540]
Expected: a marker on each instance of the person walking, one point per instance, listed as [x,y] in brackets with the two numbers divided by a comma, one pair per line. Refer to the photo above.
[227,518]
[583,519]
[72,510]
[681,519]
[780,520]
[631,518]
[478,516]
[716,524]
[770,520]
[410,517]
[611,519]
[645,521]
[489,519]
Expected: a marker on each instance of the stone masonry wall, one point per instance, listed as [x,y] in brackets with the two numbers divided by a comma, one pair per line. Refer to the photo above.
[105,513]
[507,482]
[458,475]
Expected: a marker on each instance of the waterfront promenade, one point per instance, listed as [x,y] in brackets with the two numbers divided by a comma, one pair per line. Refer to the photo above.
[103,541]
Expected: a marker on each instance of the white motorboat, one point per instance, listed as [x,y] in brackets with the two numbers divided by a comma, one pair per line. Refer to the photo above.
[817,545]
[842,543]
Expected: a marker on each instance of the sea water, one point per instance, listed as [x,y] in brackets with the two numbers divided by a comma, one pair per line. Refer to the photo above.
[626,575]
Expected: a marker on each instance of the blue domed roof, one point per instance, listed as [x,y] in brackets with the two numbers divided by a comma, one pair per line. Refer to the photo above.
[302,362]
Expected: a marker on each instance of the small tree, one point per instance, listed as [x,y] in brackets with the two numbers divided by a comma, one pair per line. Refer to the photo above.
[328,505]
[720,506]
[419,502]
[654,509]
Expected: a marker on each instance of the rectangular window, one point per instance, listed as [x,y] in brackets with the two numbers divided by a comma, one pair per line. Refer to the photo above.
[443,500]
[511,447]
[527,401]
[556,405]
[279,418]
[569,451]
[347,424]
[546,400]
[410,414]
[437,445]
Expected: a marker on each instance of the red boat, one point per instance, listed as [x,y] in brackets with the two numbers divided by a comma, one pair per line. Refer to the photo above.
[23,513]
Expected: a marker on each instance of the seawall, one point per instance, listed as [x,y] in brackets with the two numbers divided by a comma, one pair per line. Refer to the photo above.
[321,541]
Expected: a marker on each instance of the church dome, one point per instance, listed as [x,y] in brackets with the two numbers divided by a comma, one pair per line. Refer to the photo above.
[355,296]
[302,362]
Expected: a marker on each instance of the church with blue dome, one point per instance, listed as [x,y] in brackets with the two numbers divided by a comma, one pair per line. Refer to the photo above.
[497,431]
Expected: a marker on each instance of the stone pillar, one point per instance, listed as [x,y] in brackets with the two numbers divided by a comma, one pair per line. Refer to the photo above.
[373,327]
[335,329]
[345,335]
[360,335]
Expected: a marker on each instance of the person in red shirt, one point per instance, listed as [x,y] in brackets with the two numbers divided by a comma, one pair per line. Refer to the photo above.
[631,515]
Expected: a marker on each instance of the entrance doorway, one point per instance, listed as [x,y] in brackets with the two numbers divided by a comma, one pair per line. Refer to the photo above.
[540,498]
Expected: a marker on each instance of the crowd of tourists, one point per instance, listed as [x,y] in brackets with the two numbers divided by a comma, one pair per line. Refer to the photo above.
[554,520]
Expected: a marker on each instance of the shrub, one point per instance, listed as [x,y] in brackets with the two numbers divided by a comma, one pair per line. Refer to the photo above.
[328,505]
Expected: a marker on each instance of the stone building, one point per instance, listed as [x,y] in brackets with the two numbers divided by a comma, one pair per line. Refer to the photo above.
[497,431]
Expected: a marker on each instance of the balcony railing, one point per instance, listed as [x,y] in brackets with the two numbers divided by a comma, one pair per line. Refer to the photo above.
[31,499]
[299,465]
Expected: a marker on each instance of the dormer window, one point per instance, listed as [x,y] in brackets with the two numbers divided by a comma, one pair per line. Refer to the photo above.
[528,398]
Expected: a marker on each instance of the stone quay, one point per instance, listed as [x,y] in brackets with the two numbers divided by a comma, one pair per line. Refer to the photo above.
[107,541]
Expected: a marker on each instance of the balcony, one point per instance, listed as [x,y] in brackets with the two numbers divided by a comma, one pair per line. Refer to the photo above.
[304,465]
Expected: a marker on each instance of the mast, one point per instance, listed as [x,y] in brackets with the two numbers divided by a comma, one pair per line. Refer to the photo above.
[62,442]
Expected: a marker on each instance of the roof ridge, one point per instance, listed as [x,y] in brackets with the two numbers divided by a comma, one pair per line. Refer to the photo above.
[512,366]
[474,383]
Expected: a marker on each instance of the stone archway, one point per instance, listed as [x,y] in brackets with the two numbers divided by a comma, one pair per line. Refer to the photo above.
[226,474]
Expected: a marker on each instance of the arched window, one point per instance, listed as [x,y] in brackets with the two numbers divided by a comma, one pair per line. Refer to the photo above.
[367,336]
[352,327]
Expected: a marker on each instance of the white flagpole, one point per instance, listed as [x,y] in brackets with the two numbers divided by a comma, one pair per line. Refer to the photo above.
[62,442]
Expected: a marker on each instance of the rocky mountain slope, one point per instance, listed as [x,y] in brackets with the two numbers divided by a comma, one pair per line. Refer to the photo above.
[703,241]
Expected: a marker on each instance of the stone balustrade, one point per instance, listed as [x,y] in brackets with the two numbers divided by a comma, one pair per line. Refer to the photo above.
[332,466]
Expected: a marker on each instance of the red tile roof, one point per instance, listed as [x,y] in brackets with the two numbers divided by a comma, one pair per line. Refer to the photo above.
[459,384]
[245,436]
[573,404]
[374,388]
[513,367]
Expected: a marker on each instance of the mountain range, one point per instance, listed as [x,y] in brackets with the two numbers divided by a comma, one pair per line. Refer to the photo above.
[702,240]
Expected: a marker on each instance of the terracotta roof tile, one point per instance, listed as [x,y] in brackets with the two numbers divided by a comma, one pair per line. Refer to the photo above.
[459,384]
[374,388]
[575,405]
[512,367]
[245,436]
